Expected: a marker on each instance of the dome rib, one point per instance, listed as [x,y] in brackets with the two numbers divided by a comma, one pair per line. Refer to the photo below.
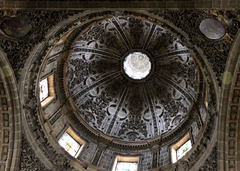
[122,107]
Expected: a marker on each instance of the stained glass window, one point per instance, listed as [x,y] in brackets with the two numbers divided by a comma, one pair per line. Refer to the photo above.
[43,89]
[126,166]
[69,144]
[184,149]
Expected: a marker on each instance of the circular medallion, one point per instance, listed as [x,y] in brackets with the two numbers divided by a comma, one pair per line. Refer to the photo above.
[16,27]
[212,28]
[137,65]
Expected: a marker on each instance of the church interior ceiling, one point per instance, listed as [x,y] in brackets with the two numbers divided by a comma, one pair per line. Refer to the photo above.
[86,55]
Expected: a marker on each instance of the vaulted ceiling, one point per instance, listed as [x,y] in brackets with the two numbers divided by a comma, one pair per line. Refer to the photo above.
[192,87]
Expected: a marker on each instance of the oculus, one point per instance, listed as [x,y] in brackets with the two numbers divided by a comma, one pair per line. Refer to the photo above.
[137,65]
[212,28]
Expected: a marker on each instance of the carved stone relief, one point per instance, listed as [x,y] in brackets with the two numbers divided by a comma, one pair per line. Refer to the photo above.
[5,125]
[41,21]
[210,163]
[29,161]
[121,107]
[233,125]
[112,103]
[189,22]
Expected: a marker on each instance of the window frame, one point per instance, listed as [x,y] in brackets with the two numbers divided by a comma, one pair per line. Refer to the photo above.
[47,89]
[76,138]
[181,146]
[178,145]
[51,91]
[127,159]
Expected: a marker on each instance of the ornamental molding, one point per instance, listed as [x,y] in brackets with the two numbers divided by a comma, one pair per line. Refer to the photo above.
[106,98]
[10,146]
[19,49]
[229,111]
[210,163]
[32,112]
[188,21]
[29,161]
[95,134]
[232,129]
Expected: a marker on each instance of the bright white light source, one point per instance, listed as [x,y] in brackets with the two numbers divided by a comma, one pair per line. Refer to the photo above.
[137,65]
[126,166]
[184,149]
[43,89]
[69,144]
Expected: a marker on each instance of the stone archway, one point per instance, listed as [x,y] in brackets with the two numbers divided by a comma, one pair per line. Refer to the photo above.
[228,132]
[10,145]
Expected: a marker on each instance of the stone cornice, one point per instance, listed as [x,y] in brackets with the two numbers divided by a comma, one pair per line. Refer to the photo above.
[120,4]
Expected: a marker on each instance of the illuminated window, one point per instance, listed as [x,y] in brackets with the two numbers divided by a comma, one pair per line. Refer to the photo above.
[126,166]
[184,149]
[123,163]
[181,148]
[43,89]
[69,144]
[46,90]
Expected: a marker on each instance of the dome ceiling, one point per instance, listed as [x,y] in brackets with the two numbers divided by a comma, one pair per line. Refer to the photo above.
[114,103]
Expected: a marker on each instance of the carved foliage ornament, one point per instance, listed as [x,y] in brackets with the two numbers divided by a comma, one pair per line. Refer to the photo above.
[110,93]
[106,96]
[25,31]
[216,51]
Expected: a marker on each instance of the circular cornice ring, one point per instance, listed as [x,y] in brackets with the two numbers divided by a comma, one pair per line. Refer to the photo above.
[86,132]
[164,139]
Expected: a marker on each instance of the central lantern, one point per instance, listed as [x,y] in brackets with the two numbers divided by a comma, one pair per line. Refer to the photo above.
[131,79]
[137,65]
